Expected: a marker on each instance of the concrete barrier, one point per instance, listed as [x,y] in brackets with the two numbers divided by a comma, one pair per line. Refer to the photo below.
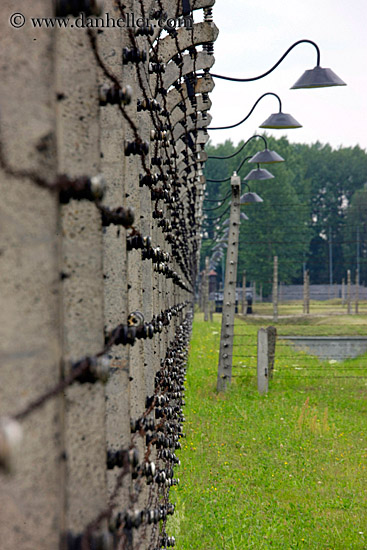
[329,347]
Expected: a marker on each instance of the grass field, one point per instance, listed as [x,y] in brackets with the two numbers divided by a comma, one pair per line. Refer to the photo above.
[282,471]
[332,308]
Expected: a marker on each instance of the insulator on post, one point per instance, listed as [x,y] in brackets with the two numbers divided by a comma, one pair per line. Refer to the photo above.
[102,541]
[133,55]
[63,8]
[209,48]
[148,30]
[11,436]
[118,216]
[208,15]
[112,95]
[136,148]
[93,369]
[82,188]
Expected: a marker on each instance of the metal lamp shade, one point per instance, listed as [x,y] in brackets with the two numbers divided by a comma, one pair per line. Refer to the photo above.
[266,157]
[249,198]
[281,121]
[318,78]
[258,174]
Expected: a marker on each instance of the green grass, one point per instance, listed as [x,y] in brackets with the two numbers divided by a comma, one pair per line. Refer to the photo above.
[282,471]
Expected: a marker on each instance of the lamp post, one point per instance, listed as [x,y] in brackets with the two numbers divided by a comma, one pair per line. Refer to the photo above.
[224,375]
[278,121]
[313,78]
[229,293]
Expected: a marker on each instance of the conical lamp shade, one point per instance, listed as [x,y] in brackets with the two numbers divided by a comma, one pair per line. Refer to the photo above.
[318,78]
[250,197]
[266,157]
[258,174]
[279,121]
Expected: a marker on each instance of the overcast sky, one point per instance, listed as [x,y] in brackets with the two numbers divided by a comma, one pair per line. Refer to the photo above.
[253,34]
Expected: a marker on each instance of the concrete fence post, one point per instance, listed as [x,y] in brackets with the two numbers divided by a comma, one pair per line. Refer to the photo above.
[254,292]
[211,310]
[357,293]
[243,302]
[304,291]
[307,291]
[262,361]
[272,338]
[32,496]
[349,293]
[229,296]
[275,290]
[102,189]
[205,288]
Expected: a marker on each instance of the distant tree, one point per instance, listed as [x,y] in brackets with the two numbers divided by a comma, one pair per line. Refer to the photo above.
[355,229]
[276,227]
[310,198]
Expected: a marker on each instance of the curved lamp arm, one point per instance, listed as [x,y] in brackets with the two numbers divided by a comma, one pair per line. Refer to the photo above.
[241,148]
[237,170]
[250,113]
[274,66]
[221,200]
[217,200]
[219,217]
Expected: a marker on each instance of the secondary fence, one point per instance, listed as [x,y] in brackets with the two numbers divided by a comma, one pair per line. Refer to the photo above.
[102,132]
[298,359]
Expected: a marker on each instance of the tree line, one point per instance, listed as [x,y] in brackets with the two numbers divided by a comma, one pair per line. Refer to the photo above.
[313,215]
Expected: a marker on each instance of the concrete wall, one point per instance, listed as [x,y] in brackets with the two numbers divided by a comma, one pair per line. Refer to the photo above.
[329,347]
[88,384]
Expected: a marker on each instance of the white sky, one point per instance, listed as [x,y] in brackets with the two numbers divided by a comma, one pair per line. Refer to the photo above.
[253,34]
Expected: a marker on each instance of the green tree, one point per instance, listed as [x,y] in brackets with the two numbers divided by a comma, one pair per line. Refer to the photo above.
[355,233]
[276,227]
[309,200]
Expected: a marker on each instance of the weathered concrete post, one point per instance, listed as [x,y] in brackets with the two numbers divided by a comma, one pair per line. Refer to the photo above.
[229,295]
[211,310]
[262,361]
[307,291]
[304,291]
[201,294]
[31,511]
[275,290]
[205,289]
[343,292]
[243,303]
[349,305]
[272,338]
[357,293]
